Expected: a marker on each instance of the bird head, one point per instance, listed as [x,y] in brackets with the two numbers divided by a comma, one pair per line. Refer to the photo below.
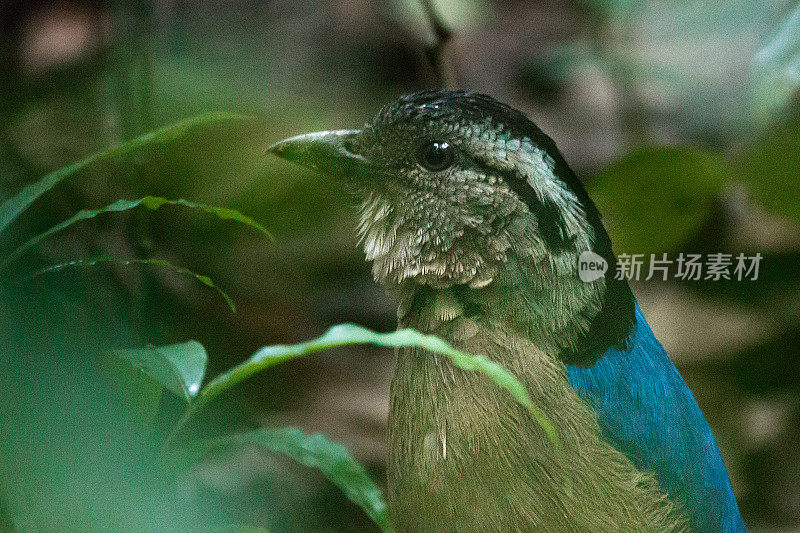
[455,186]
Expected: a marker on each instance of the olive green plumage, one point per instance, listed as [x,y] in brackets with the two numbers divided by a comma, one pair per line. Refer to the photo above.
[463,457]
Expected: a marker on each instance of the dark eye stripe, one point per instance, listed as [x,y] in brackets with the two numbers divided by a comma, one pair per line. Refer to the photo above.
[552,226]
[612,325]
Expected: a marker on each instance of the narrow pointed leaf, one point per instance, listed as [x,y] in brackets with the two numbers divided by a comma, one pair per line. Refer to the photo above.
[150,202]
[349,334]
[91,261]
[13,207]
[177,367]
[332,459]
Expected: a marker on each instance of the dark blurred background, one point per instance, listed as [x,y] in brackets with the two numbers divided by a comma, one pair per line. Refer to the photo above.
[606,79]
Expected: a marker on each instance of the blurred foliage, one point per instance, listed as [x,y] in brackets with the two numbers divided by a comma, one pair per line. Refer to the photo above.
[771,169]
[776,66]
[679,185]
[179,368]
[713,65]
[618,84]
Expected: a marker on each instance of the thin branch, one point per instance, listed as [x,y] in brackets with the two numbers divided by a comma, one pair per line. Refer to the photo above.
[442,35]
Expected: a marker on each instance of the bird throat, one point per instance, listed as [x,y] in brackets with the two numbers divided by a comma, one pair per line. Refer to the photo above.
[421,240]
[441,270]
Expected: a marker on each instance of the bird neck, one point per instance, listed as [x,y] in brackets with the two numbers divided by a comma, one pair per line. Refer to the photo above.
[543,301]
[454,436]
[499,270]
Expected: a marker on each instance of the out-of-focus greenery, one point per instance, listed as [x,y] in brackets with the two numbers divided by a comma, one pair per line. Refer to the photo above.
[776,69]
[139,376]
[770,167]
[682,116]
[687,181]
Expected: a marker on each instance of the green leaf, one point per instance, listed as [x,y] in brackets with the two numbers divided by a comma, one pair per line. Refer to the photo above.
[150,202]
[771,169]
[177,367]
[238,528]
[350,334]
[140,393]
[776,66]
[13,207]
[315,451]
[90,261]
[673,189]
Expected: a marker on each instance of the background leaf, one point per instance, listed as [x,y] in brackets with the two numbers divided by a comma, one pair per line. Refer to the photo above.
[139,392]
[177,367]
[350,334]
[317,452]
[150,202]
[13,207]
[776,66]
[674,188]
[90,261]
[771,169]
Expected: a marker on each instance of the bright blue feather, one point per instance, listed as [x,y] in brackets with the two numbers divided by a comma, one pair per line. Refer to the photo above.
[646,411]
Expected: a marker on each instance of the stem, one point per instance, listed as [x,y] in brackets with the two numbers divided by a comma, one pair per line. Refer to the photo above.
[442,36]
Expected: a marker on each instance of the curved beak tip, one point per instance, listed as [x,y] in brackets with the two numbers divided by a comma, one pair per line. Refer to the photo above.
[324,151]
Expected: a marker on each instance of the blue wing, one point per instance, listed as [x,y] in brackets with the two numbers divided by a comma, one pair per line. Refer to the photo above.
[647,412]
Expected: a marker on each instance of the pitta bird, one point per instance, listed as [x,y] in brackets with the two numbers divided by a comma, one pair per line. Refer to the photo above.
[473,218]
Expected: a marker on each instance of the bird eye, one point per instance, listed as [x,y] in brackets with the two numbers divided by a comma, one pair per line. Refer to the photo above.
[436,155]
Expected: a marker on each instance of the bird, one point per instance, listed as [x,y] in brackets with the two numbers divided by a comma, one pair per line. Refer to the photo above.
[474,221]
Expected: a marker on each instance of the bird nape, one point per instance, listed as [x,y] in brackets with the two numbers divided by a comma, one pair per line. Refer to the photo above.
[473,218]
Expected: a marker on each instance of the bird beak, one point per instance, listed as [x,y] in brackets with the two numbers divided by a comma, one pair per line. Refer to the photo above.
[324,151]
